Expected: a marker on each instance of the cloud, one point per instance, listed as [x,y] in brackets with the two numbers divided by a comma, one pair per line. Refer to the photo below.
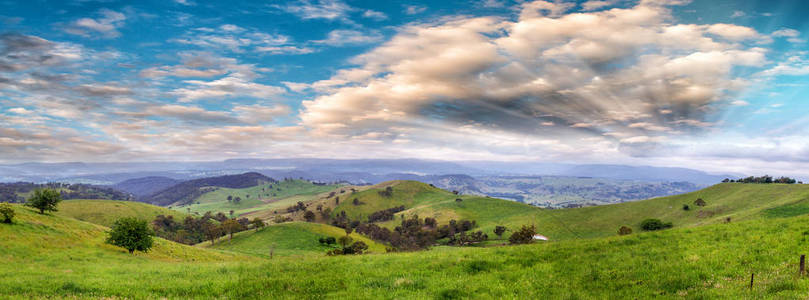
[342,37]
[231,37]
[106,26]
[792,35]
[25,52]
[738,14]
[185,2]
[376,15]
[626,75]
[227,87]
[414,9]
[597,4]
[319,9]
[739,103]
[285,50]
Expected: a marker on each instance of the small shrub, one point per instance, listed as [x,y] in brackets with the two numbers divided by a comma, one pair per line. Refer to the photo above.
[685,207]
[523,236]
[458,200]
[700,202]
[309,216]
[654,224]
[8,212]
[499,230]
[624,230]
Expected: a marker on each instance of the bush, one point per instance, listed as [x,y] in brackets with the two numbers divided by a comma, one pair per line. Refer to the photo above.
[131,234]
[7,211]
[685,207]
[309,216]
[44,199]
[624,230]
[499,230]
[700,202]
[257,223]
[523,236]
[654,224]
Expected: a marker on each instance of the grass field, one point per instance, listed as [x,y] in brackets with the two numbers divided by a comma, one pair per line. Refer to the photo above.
[260,197]
[735,200]
[51,256]
[294,238]
[105,212]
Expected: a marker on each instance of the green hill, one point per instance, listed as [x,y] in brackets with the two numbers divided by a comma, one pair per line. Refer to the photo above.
[261,197]
[105,212]
[54,239]
[294,238]
[711,261]
[735,200]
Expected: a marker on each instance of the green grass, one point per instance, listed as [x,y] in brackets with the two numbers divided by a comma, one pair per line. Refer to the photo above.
[105,212]
[294,238]
[707,262]
[735,200]
[216,201]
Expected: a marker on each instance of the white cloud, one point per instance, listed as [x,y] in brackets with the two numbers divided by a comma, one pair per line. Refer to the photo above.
[318,9]
[227,87]
[740,103]
[376,15]
[106,26]
[342,37]
[414,9]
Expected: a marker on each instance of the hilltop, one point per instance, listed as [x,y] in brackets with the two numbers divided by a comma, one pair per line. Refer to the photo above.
[187,191]
[145,186]
[736,201]
[105,212]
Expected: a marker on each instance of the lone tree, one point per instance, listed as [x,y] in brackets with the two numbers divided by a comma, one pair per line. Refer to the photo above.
[523,236]
[624,230]
[8,212]
[44,199]
[131,234]
[700,202]
[212,231]
[499,230]
[685,207]
[309,216]
[257,223]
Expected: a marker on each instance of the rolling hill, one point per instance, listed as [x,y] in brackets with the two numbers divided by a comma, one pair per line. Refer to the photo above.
[145,186]
[264,197]
[105,212]
[735,200]
[294,238]
[187,191]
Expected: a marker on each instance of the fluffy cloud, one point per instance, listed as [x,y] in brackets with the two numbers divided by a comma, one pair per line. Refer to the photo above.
[341,37]
[105,26]
[629,76]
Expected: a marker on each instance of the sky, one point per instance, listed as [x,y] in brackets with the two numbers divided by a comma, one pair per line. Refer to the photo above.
[713,85]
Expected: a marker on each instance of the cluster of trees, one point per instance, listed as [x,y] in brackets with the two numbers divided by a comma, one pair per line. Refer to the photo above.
[385,214]
[10,192]
[764,179]
[297,207]
[193,230]
[235,200]
[416,234]
[523,236]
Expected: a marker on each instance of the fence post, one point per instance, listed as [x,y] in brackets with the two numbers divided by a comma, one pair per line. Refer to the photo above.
[752,275]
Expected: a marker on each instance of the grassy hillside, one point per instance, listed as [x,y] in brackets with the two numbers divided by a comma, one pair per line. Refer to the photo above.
[105,212]
[735,200]
[712,261]
[54,240]
[261,197]
[295,238]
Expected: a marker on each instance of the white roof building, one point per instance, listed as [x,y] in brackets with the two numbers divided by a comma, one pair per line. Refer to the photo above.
[540,237]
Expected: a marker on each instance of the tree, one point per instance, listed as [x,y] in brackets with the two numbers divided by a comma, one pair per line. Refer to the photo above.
[131,234]
[344,240]
[309,216]
[356,201]
[624,230]
[523,236]
[654,224]
[700,202]
[257,223]
[685,207]
[212,231]
[44,199]
[499,230]
[231,226]
[237,200]
[230,198]
[356,248]
[7,211]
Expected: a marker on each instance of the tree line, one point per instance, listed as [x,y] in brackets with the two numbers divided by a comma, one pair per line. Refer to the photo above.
[764,179]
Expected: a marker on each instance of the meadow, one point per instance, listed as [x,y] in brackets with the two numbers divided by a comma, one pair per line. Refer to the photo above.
[712,261]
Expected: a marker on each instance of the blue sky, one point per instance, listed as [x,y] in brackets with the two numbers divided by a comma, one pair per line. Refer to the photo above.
[713,85]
